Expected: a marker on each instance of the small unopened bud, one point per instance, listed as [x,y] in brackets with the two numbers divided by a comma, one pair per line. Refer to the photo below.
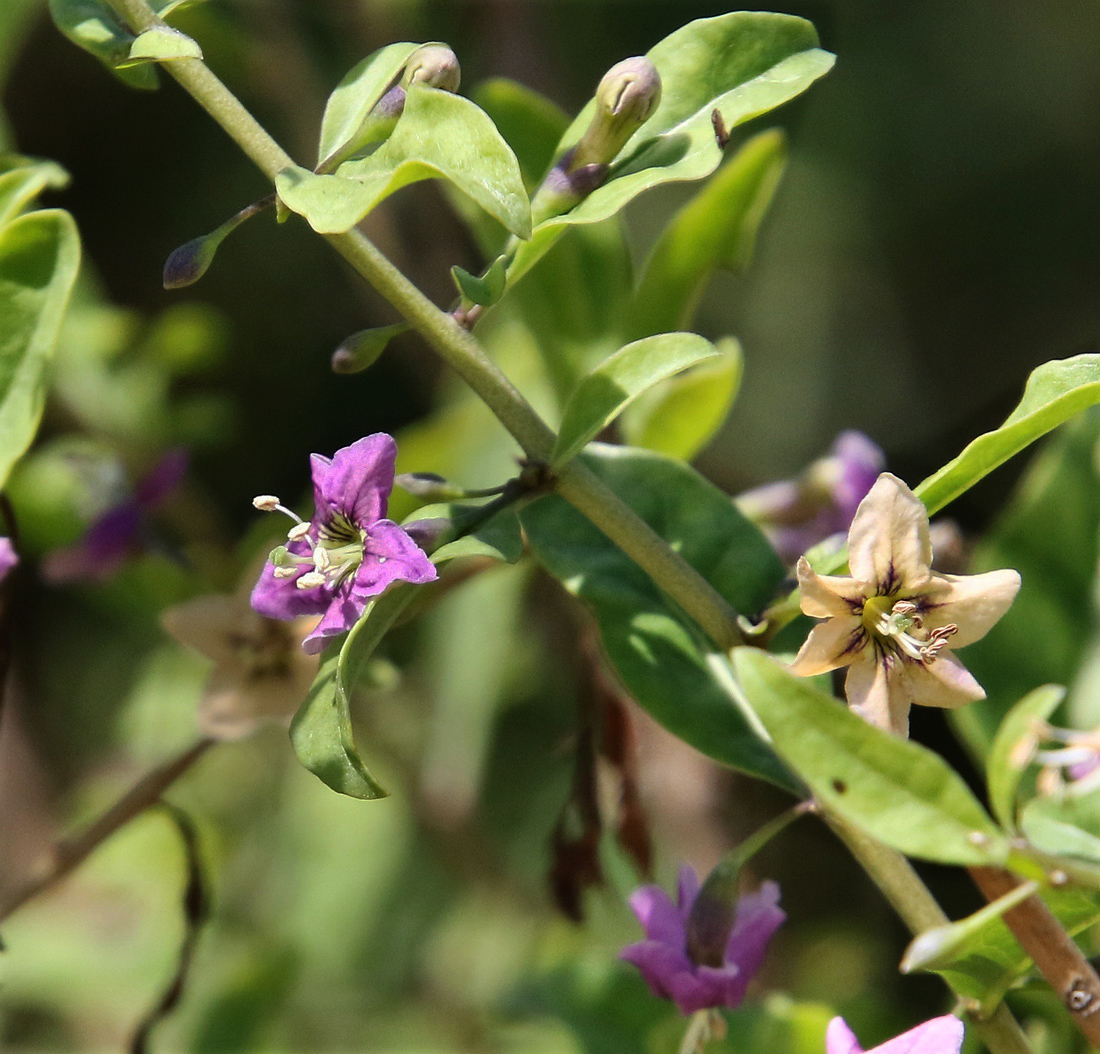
[190,261]
[429,533]
[713,913]
[428,485]
[434,65]
[625,100]
[362,349]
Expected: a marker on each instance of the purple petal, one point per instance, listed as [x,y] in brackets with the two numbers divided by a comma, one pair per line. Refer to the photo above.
[101,550]
[861,461]
[391,555]
[941,1035]
[687,890]
[8,556]
[659,917]
[669,973]
[341,614]
[164,477]
[840,1039]
[358,480]
[758,917]
[281,598]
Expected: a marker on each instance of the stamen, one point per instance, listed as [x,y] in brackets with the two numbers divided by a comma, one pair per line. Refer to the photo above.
[284,572]
[311,580]
[299,530]
[265,502]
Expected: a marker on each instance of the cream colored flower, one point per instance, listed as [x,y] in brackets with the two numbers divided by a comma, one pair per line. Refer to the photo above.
[260,671]
[895,622]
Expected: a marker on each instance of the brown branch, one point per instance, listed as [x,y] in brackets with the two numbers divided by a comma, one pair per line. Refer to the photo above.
[71,852]
[1055,954]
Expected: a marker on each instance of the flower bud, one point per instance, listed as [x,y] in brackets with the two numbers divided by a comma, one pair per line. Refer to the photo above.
[428,485]
[362,349]
[435,65]
[713,914]
[625,100]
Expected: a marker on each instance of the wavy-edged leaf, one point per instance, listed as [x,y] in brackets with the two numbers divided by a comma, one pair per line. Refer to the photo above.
[1054,393]
[658,653]
[39,258]
[357,93]
[618,380]
[716,229]
[742,64]
[1004,766]
[438,136]
[898,791]
[680,415]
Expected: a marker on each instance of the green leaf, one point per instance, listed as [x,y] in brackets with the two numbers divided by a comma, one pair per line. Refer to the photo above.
[988,960]
[1054,393]
[161,44]
[531,124]
[1004,768]
[1050,533]
[23,182]
[1064,825]
[497,538]
[717,228]
[898,791]
[356,95]
[680,415]
[617,381]
[486,289]
[439,136]
[658,653]
[39,258]
[93,26]
[742,64]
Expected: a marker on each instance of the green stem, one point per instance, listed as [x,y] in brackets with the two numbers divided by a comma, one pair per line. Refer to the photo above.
[464,354]
[919,910]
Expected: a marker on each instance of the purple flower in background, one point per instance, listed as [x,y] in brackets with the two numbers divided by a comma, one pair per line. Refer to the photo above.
[348,553]
[941,1035]
[798,514]
[8,556]
[116,533]
[663,957]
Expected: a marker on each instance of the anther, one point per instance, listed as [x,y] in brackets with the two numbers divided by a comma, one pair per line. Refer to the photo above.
[311,580]
[299,530]
[265,502]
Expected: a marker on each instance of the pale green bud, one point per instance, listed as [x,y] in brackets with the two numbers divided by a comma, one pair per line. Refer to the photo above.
[625,100]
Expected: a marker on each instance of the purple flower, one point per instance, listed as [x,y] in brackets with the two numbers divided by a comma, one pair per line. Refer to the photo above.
[8,556]
[941,1035]
[116,533]
[348,553]
[663,956]
[798,514]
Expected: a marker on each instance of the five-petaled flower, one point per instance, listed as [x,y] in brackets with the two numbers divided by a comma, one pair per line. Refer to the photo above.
[348,553]
[893,621]
[663,956]
[941,1035]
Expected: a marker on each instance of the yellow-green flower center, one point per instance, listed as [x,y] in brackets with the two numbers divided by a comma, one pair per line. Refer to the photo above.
[899,626]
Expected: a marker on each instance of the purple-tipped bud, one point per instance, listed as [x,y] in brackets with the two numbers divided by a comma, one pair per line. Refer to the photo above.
[187,264]
[435,65]
[429,485]
[625,100]
[429,533]
[362,349]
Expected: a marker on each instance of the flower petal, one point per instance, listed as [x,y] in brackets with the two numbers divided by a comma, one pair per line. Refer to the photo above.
[941,1035]
[974,603]
[8,556]
[874,691]
[758,917]
[659,917]
[830,645]
[281,598]
[207,625]
[358,480]
[840,1039]
[391,555]
[823,596]
[687,889]
[888,544]
[945,683]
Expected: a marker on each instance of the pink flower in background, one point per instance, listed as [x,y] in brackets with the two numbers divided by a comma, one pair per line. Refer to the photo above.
[117,533]
[8,556]
[941,1035]
[349,553]
[663,957]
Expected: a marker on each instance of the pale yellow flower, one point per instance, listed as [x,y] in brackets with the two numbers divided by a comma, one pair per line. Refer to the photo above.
[260,671]
[895,622]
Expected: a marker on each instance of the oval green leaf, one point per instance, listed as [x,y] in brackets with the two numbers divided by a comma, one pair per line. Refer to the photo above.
[161,44]
[680,415]
[93,26]
[39,258]
[896,790]
[618,380]
[658,653]
[439,136]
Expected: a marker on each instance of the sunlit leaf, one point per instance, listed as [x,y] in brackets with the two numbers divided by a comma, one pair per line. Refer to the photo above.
[94,26]
[483,289]
[680,415]
[39,257]
[439,136]
[898,791]
[618,380]
[21,184]
[161,44]
[658,653]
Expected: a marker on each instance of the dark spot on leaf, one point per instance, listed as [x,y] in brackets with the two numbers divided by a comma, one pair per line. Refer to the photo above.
[840,786]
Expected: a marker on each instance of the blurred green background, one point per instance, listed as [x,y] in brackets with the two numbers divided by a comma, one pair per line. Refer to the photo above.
[934,238]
